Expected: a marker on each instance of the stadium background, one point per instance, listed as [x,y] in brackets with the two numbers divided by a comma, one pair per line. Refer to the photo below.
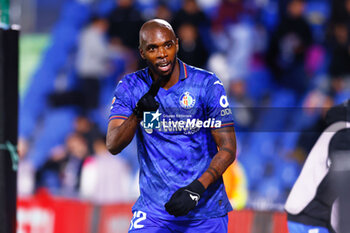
[280,81]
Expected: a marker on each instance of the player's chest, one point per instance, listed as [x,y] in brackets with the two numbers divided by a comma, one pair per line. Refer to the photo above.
[181,103]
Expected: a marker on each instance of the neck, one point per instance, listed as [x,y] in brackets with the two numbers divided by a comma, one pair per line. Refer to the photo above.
[171,80]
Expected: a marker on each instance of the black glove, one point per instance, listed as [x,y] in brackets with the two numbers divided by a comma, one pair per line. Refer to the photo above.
[147,103]
[185,199]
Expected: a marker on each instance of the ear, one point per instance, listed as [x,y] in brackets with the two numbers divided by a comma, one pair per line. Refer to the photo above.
[177,45]
[142,54]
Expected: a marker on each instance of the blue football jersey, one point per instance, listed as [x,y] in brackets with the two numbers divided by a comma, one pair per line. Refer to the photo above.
[175,145]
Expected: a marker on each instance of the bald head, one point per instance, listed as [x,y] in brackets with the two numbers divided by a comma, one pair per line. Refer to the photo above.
[159,47]
[151,26]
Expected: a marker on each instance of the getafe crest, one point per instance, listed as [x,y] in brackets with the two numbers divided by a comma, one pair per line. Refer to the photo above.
[187,100]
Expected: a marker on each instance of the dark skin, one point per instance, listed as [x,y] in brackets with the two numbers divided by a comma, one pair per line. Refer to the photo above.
[159,46]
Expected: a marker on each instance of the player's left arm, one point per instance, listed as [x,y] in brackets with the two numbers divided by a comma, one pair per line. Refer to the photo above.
[186,198]
[225,139]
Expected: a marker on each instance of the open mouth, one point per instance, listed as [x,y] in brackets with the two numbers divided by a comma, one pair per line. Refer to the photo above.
[164,67]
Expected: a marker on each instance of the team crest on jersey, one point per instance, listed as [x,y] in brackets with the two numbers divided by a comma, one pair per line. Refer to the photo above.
[187,100]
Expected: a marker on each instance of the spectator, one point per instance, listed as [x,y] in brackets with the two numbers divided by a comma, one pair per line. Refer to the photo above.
[163,12]
[190,13]
[25,179]
[77,151]
[191,49]
[239,98]
[92,61]
[315,107]
[124,24]
[88,130]
[104,178]
[49,175]
[228,13]
[339,66]
[288,46]
[237,49]
[339,11]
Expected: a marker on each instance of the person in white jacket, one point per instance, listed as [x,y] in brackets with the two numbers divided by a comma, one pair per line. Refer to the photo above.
[312,205]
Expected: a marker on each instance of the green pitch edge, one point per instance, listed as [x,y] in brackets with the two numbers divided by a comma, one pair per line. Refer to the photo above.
[31,47]
[4,11]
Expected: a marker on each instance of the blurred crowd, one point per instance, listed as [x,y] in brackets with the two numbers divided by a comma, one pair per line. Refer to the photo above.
[283,64]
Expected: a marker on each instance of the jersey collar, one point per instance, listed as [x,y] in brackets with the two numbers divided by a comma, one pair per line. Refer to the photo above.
[183,70]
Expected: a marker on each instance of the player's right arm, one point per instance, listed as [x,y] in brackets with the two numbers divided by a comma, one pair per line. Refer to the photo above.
[121,129]
[120,133]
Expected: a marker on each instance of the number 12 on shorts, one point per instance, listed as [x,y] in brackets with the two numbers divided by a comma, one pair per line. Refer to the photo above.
[138,217]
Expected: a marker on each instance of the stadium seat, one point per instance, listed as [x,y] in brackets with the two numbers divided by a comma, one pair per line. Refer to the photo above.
[287,171]
[258,82]
[50,135]
[62,40]
[270,189]
[254,165]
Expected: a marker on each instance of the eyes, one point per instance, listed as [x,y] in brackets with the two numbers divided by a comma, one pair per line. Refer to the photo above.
[168,45]
[153,48]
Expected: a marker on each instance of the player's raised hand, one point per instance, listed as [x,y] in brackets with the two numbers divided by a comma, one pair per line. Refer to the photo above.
[185,199]
[147,102]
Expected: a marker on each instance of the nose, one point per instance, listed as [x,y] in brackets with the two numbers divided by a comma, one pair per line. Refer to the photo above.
[161,52]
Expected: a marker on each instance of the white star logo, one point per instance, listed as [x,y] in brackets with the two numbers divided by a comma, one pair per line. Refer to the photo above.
[156,115]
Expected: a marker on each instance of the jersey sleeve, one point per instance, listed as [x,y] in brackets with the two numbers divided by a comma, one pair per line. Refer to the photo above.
[122,103]
[217,105]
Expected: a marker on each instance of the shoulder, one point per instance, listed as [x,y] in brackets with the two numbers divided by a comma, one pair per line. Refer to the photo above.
[201,75]
[139,75]
[135,78]
[132,84]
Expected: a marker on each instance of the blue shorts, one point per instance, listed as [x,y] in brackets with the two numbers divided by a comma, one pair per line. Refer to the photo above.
[295,227]
[142,222]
